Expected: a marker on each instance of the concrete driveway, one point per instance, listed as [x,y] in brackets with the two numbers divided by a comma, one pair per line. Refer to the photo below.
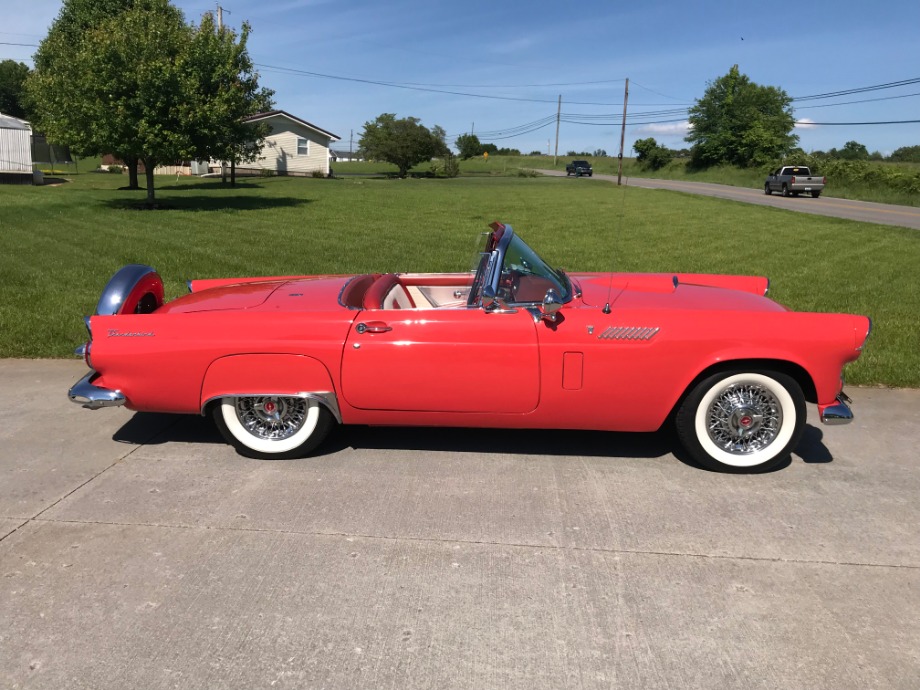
[138,551]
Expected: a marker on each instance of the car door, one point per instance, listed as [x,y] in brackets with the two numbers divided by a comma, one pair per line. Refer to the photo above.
[442,360]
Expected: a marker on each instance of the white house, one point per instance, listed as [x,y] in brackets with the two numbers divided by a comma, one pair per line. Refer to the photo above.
[15,149]
[293,147]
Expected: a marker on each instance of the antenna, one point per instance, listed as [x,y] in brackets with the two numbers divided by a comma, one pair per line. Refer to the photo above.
[606,309]
[619,178]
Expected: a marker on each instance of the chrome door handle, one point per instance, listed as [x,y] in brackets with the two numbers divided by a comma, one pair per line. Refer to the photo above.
[373,327]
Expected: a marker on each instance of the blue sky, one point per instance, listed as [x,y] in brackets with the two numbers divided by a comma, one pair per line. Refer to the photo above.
[508,61]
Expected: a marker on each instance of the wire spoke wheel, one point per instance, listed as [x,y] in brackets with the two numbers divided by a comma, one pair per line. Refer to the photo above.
[272,418]
[744,419]
[273,426]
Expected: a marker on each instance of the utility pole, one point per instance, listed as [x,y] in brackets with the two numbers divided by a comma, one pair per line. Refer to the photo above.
[472,128]
[351,139]
[623,133]
[558,114]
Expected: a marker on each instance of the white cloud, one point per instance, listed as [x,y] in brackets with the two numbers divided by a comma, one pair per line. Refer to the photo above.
[665,129]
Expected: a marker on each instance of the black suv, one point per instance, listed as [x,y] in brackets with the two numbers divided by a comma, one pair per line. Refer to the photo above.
[579,168]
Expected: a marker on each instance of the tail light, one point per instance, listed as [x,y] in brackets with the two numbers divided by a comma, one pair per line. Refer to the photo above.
[823,180]
[793,179]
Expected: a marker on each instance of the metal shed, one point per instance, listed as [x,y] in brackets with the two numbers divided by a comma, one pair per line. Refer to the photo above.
[15,150]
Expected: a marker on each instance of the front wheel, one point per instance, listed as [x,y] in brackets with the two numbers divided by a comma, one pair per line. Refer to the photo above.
[272,427]
[767,190]
[742,421]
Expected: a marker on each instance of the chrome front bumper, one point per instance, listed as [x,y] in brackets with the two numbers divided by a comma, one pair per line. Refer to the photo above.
[92,397]
[837,413]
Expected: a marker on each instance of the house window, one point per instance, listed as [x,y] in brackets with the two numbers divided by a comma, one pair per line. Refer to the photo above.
[303,147]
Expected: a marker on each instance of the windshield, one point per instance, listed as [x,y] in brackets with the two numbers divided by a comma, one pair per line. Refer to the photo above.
[526,277]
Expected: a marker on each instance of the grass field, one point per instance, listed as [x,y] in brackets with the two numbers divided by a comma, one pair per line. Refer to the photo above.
[676,170]
[59,245]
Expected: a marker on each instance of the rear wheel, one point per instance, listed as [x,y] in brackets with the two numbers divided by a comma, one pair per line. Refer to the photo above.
[815,195]
[785,190]
[742,421]
[272,427]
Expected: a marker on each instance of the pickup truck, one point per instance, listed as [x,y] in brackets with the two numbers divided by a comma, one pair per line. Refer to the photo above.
[793,179]
[579,168]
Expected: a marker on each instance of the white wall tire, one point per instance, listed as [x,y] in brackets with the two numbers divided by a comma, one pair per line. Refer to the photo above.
[272,426]
[742,421]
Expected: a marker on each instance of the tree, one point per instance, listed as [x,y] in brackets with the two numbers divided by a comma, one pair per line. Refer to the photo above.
[468,146]
[12,77]
[740,123]
[599,153]
[906,154]
[226,91]
[403,142]
[852,151]
[50,91]
[143,84]
[651,154]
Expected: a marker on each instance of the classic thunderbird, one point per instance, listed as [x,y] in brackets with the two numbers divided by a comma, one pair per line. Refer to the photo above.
[513,343]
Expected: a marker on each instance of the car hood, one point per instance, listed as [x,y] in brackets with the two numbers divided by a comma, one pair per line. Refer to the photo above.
[676,291]
[299,293]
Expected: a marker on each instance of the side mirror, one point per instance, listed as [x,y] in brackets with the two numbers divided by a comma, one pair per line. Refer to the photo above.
[552,303]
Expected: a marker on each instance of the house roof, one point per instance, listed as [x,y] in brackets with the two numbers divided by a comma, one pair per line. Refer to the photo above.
[275,113]
[10,122]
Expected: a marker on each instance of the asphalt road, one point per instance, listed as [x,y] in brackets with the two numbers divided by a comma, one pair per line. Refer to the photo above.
[864,211]
[139,551]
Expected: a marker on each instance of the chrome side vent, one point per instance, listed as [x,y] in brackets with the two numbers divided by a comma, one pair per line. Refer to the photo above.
[629,333]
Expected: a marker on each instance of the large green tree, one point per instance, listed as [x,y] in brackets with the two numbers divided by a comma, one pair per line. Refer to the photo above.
[143,84]
[651,154]
[52,91]
[468,146]
[906,154]
[226,91]
[403,142]
[851,151]
[740,123]
[12,77]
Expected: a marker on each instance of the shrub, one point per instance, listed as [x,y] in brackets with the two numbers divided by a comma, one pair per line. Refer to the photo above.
[318,174]
[117,169]
[445,167]
[526,172]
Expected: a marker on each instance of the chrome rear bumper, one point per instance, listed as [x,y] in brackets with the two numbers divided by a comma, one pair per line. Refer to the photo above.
[92,397]
[837,413]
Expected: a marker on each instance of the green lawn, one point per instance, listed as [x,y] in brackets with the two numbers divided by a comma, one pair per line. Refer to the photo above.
[873,190]
[59,245]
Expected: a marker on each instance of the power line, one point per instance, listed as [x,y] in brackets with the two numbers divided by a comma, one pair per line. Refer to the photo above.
[853,124]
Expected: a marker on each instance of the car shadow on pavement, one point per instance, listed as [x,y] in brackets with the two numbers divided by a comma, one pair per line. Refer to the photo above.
[148,428]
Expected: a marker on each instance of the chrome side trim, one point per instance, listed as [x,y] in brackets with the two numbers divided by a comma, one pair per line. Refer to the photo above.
[93,397]
[835,415]
[119,287]
[326,398]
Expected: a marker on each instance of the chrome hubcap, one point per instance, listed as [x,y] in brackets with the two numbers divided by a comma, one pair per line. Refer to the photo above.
[272,418]
[744,418]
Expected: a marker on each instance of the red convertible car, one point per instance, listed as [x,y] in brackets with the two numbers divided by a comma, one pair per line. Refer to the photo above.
[513,343]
